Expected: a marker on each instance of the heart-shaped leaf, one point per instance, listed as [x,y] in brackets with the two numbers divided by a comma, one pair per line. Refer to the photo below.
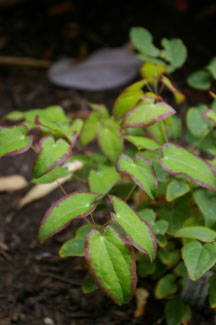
[146,113]
[139,232]
[198,258]
[110,141]
[197,232]
[143,41]
[112,264]
[104,69]
[196,123]
[102,180]
[178,161]
[14,140]
[142,142]
[63,211]
[140,170]
[166,286]
[174,52]
[51,154]
[175,189]
[72,247]
[152,72]
[206,201]
[200,79]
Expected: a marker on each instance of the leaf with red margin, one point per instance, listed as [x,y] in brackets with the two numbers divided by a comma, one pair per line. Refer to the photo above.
[63,211]
[146,113]
[179,96]
[51,154]
[111,263]
[13,140]
[178,161]
[210,115]
[140,170]
[139,233]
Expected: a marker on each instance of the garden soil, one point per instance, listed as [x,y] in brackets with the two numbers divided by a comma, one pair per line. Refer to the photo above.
[36,286]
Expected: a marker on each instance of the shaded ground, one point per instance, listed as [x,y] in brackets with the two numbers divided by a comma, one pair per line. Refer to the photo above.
[36,287]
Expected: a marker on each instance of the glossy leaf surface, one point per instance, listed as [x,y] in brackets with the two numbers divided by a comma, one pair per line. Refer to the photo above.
[111,263]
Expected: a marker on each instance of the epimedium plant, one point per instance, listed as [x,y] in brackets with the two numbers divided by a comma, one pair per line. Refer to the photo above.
[157,195]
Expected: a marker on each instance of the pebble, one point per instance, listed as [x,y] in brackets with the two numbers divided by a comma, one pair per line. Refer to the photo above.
[48,321]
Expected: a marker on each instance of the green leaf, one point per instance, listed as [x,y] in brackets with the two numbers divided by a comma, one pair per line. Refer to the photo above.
[145,267]
[14,116]
[146,113]
[148,215]
[126,101]
[142,142]
[179,96]
[206,201]
[200,79]
[72,247]
[208,144]
[197,232]
[210,115]
[211,67]
[160,227]
[89,285]
[13,140]
[140,170]
[51,154]
[102,180]
[90,128]
[50,177]
[142,40]
[174,126]
[157,132]
[198,258]
[169,258]
[110,141]
[63,211]
[176,160]
[174,51]
[196,123]
[139,232]
[100,108]
[212,291]
[175,189]
[111,264]
[152,72]
[83,231]
[177,312]
[166,286]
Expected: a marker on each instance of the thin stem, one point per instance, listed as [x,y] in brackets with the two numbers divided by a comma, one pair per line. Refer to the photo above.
[131,191]
[203,137]
[161,89]
[90,224]
[148,86]
[93,219]
[59,184]
[106,223]
[164,131]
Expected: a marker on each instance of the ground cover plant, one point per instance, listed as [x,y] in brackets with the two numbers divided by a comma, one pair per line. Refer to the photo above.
[156,194]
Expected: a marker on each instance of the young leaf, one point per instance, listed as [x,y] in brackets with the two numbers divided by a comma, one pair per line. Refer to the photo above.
[89,285]
[211,67]
[169,258]
[178,161]
[73,247]
[50,155]
[146,113]
[197,232]
[14,140]
[90,128]
[100,108]
[177,312]
[179,96]
[102,180]
[139,232]
[175,189]
[198,258]
[212,291]
[143,41]
[110,142]
[63,211]
[210,115]
[166,286]
[112,264]
[174,52]
[140,170]
[200,79]
[152,72]
[83,231]
[196,123]
[206,201]
[142,142]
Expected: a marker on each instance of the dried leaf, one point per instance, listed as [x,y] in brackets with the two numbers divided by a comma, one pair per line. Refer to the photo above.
[104,69]
[12,183]
[40,190]
[141,296]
